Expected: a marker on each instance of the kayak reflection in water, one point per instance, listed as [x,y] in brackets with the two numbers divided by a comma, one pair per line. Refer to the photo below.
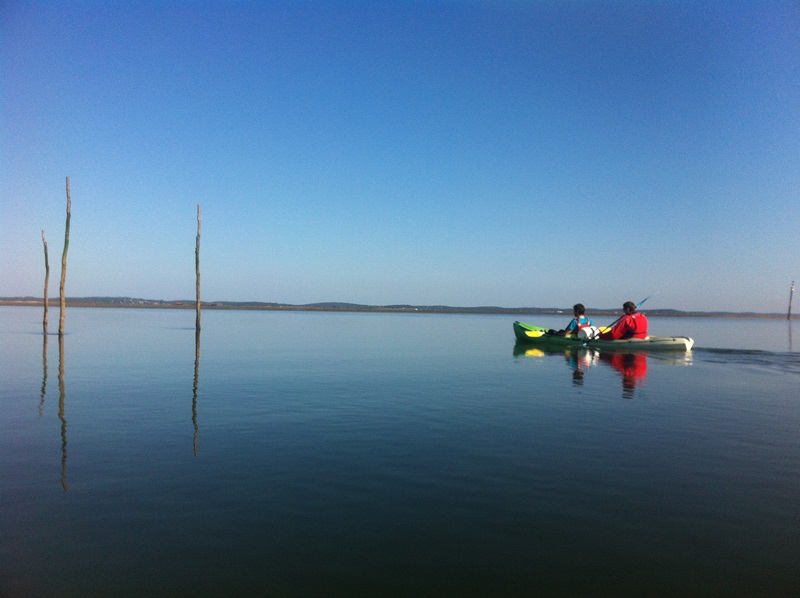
[631,366]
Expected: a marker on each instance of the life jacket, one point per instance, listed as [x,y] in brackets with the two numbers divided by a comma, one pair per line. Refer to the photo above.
[580,324]
[639,322]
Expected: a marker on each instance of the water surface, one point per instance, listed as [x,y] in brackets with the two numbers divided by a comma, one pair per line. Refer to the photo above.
[319,453]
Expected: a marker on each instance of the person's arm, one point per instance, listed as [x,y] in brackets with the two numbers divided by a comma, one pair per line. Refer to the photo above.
[619,330]
[571,328]
[623,327]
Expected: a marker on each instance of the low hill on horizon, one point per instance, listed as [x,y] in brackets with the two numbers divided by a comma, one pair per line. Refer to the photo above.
[354,307]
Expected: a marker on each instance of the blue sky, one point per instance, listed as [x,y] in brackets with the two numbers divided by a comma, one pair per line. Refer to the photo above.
[460,153]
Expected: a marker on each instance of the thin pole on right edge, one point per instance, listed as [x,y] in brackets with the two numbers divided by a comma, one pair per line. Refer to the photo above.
[197,271]
[791,294]
[46,281]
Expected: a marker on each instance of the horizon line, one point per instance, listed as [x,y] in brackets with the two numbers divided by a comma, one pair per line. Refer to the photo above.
[133,302]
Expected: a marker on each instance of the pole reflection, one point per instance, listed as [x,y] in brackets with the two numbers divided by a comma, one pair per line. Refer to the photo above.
[44,372]
[194,388]
[61,412]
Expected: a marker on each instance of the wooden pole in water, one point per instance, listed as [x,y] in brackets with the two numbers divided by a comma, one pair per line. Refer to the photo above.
[791,294]
[64,267]
[46,282]
[197,270]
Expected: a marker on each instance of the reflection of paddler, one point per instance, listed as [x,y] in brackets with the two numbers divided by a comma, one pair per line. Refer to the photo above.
[632,367]
[582,359]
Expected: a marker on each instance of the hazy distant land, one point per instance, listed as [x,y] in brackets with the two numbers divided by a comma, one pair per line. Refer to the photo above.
[130,302]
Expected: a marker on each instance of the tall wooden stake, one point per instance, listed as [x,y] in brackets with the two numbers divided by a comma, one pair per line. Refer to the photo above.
[197,269]
[64,267]
[46,282]
[791,294]
[196,334]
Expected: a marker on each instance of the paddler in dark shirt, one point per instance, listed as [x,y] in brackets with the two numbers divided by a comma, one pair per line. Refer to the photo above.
[578,321]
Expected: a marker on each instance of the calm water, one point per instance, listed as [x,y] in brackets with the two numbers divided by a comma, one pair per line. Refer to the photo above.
[317,454]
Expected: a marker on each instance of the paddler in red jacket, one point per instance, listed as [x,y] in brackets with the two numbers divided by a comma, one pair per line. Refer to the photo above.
[631,325]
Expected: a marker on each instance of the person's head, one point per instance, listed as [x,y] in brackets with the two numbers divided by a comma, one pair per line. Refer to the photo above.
[629,307]
[578,309]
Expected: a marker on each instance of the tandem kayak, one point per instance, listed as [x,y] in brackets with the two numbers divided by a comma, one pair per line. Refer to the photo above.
[536,335]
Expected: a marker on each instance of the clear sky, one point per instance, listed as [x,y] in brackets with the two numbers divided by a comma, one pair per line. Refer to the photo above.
[506,153]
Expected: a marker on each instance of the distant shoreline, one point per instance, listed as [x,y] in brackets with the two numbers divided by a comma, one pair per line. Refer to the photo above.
[226,306]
